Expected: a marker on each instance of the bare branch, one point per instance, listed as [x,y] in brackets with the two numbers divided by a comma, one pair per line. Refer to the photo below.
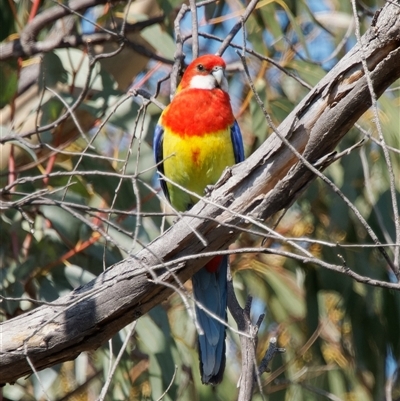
[247,343]
[195,29]
[179,56]
[26,45]
[249,9]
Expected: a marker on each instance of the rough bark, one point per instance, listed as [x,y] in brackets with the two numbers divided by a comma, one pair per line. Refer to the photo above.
[265,183]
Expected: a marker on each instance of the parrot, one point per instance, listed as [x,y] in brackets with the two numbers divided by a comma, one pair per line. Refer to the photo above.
[195,139]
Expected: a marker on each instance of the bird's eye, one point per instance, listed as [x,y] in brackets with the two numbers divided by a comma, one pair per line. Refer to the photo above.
[200,67]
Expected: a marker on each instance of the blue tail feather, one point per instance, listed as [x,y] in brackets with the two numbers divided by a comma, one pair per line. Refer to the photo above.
[210,290]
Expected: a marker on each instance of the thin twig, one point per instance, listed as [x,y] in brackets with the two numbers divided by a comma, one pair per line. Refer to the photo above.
[169,385]
[247,12]
[195,29]
[179,56]
[114,366]
[32,366]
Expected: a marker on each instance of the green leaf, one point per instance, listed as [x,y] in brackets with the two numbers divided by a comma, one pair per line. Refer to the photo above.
[77,67]
[259,123]
[52,71]
[51,110]
[8,81]
[61,220]
[156,341]
[77,276]
[119,110]
[42,382]
[105,185]
[6,21]
[310,73]
[289,300]
[160,40]
[16,290]
[23,146]
[271,21]
[47,290]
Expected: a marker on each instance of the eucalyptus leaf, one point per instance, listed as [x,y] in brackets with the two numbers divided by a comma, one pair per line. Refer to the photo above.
[52,71]
[8,81]
[77,276]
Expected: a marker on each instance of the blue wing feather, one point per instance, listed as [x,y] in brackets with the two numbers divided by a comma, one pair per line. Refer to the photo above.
[237,142]
[158,139]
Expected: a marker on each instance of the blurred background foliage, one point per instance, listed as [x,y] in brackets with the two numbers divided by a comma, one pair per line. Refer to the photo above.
[93,181]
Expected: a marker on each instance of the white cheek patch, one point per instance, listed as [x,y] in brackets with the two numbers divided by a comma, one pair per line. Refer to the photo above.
[208,82]
[203,82]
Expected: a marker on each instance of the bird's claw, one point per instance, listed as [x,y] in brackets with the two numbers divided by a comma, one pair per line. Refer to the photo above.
[208,189]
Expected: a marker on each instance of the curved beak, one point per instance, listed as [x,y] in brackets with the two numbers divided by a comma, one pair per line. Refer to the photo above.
[219,74]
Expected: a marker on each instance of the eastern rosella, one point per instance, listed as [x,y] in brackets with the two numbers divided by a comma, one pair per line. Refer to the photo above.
[196,138]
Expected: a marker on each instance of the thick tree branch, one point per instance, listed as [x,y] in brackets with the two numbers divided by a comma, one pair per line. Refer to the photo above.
[27,45]
[265,183]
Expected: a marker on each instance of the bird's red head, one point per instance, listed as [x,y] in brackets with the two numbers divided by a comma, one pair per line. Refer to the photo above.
[205,72]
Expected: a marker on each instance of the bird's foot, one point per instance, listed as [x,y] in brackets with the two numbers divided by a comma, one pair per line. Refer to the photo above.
[208,189]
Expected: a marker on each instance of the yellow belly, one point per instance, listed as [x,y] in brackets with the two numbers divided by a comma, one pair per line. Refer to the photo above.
[195,162]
